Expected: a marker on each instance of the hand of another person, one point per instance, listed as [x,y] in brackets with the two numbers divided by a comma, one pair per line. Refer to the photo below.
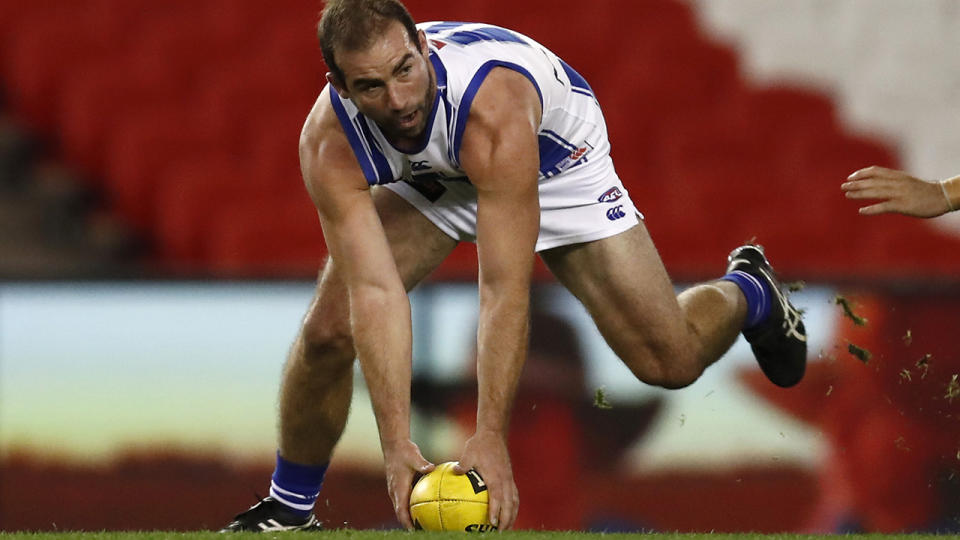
[402,461]
[897,191]
[486,452]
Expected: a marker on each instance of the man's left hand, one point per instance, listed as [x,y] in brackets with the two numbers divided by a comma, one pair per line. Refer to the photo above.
[402,461]
[486,452]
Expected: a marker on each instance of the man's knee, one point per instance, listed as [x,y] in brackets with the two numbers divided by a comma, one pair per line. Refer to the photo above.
[327,341]
[666,366]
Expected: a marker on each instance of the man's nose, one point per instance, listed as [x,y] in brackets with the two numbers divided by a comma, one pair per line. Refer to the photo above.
[396,97]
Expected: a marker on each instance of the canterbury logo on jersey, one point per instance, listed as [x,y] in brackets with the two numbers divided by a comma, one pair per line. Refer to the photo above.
[419,165]
[616,213]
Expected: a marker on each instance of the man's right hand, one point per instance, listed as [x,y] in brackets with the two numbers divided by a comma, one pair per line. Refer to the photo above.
[402,461]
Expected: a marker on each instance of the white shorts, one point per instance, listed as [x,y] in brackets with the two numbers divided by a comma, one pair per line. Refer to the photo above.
[584,203]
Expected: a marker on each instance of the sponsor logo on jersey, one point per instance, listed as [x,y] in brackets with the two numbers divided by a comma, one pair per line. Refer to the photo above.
[572,159]
[610,195]
[428,185]
[616,213]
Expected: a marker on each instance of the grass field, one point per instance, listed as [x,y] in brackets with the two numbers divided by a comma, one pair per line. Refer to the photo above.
[347,534]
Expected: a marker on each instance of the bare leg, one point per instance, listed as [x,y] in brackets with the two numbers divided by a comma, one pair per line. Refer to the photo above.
[666,340]
[318,379]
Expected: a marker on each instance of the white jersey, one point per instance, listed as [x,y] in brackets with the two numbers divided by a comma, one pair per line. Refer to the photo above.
[571,134]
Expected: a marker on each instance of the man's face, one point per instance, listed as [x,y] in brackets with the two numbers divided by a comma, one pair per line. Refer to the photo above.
[391,83]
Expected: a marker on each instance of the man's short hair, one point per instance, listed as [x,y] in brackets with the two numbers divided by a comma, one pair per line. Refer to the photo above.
[353,25]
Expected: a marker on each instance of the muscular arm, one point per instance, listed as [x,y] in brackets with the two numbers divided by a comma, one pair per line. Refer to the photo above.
[500,156]
[379,308]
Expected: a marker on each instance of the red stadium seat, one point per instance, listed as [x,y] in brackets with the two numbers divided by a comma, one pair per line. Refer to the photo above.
[169,46]
[469,10]
[783,113]
[676,76]
[188,194]
[144,144]
[97,98]
[46,45]
[722,185]
[824,162]
[13,13]
[237,92]
[272,141]
[277,236]
[252,14]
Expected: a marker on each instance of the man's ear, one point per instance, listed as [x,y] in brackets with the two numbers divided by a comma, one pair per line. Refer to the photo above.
[422,38]
[337,84]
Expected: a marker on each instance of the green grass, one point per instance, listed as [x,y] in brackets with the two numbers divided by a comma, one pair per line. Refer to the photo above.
[348,534]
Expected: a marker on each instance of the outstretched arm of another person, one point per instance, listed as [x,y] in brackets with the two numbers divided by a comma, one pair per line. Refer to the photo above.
[901,193]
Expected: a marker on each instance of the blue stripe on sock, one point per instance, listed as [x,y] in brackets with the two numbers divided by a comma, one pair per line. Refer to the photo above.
[300,484]
[757,295]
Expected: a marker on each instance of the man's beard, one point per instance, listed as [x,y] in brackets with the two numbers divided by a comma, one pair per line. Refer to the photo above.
[394,132]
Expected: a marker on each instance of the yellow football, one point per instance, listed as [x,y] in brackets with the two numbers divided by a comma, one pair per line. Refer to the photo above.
[444,501]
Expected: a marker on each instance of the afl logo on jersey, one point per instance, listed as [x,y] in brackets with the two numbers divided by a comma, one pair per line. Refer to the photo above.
[612,194]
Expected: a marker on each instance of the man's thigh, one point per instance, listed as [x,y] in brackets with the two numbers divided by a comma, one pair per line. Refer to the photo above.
[418,248]
[418,245]
[623,284]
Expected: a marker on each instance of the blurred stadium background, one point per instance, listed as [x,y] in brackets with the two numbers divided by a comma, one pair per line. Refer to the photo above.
[158,250]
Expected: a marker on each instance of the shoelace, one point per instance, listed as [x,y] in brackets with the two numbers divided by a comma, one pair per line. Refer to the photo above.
[791,317]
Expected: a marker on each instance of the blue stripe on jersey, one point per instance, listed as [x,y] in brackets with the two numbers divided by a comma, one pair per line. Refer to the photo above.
[440,27]
[558,139]
[551,153]
[439,69]
[441,72]
[466,101]
[576,80]
[553,150]
[384,174]
[353,137]
[484,33]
